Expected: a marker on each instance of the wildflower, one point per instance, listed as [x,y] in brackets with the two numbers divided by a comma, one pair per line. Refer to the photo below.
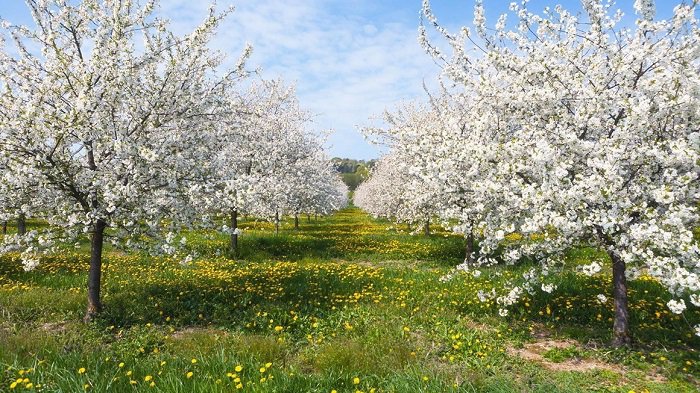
[356,381]
[239,368]
[81,370]
[189,374]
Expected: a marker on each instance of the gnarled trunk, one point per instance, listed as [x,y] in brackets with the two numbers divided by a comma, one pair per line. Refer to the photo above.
[234,231]
[621,335]
[94,305]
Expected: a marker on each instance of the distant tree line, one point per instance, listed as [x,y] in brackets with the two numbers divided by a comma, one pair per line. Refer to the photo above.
[353,171]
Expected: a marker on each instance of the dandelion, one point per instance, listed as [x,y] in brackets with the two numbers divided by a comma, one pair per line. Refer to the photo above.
[239,368]
[81,370]
[356,381]
[189,374]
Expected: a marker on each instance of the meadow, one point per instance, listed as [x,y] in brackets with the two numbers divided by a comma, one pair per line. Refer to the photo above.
[344,304]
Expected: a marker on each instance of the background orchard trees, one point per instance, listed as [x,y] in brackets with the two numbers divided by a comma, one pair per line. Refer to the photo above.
[268,164]
[585,131]
[252,137]
[112,131]
[393,192]
[427,145]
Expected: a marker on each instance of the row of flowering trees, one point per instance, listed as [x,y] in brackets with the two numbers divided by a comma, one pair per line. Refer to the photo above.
[113,126]
[560,130]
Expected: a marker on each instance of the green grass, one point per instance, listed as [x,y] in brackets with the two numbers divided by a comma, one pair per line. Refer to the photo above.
[344,297]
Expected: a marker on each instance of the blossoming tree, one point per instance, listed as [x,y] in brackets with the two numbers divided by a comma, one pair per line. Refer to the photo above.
[585,131]
[112,129]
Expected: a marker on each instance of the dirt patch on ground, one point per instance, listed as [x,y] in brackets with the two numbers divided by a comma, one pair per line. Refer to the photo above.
[196,331]
[54,327]
[535,352]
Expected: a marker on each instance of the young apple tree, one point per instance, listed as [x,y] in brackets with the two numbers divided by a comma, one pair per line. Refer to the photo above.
[586,132]
[110,114]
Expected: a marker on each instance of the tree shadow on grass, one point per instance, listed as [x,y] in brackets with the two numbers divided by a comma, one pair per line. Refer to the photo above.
[246,297]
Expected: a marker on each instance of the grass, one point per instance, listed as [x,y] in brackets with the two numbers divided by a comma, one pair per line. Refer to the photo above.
[346,303]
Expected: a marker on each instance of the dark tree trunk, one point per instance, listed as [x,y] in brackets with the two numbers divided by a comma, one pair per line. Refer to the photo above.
[469,249]
[621,336]
[94,306]
[4,227]
[296,221]
[234,231]
[316,217]
[277,223]
[427,228]
[21,224]
[308,218]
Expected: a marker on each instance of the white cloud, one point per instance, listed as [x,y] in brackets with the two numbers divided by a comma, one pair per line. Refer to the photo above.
[348,67]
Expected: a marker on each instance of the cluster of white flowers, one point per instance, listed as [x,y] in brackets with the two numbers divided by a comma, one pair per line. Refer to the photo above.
[676,306]
[591,269]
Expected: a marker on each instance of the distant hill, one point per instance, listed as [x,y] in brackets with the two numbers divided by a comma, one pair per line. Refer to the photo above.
[352,171]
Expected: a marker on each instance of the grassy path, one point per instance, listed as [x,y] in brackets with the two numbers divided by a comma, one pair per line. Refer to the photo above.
[347,303]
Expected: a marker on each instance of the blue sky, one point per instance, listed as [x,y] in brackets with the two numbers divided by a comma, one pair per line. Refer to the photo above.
[350,59]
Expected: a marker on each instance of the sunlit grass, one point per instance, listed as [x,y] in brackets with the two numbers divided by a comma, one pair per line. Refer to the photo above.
[346,303]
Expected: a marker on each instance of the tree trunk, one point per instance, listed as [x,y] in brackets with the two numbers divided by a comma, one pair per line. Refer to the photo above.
[296,221]
[621,336]
[308,218]
[4,227]
[277,223]
[94,306]
[409,226]
[469,249]
[21,224]
[234,231]
[427,228]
